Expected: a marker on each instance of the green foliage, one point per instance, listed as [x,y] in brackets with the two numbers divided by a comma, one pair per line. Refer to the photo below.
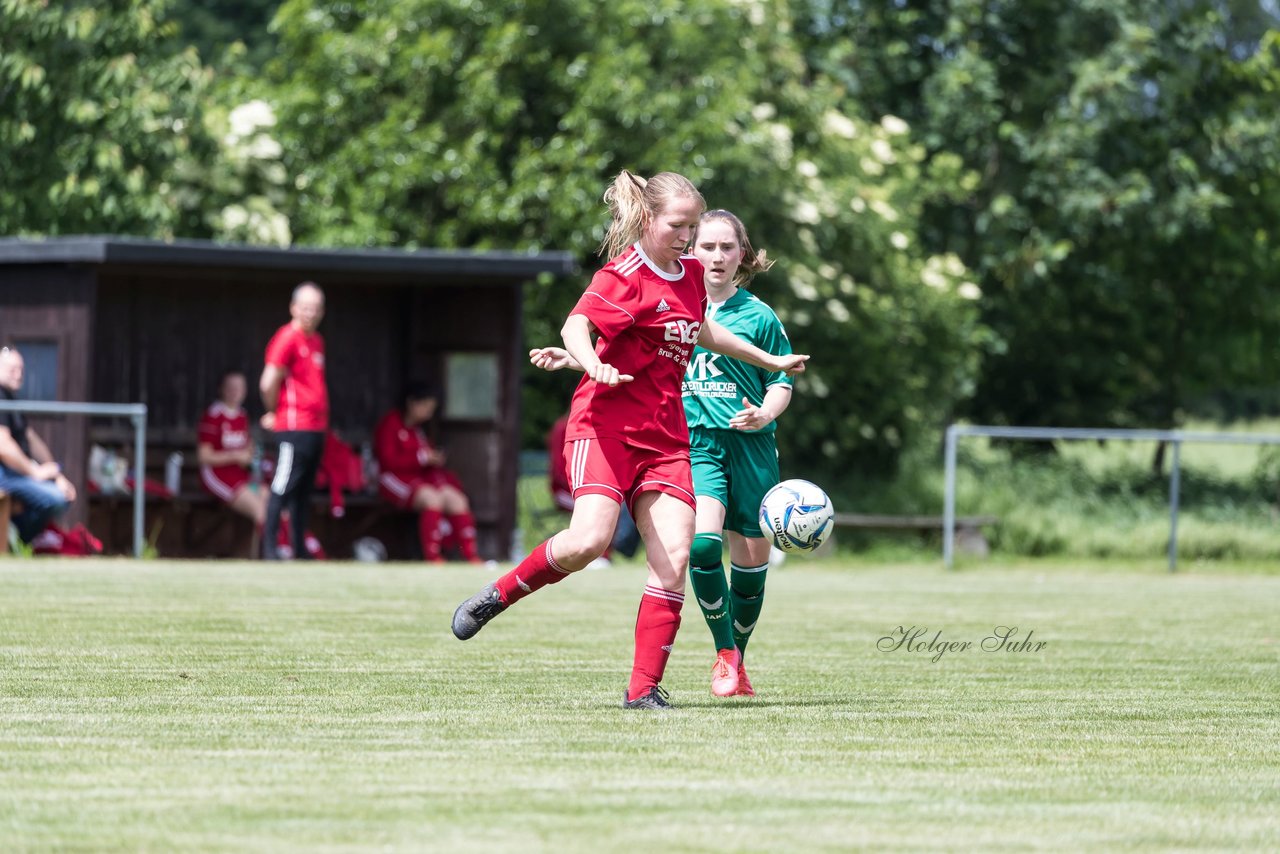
[98,103]
[1030,212]
[228,33]
[499,124]
[1114,171]
[244,189]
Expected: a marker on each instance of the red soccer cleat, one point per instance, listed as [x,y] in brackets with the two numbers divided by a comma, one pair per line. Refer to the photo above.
[724,673]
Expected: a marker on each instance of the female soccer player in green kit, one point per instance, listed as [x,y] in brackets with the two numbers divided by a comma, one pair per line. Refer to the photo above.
[731,408]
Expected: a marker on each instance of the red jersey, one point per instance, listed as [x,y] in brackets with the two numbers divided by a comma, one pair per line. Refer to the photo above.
[649,322]
[224,429]
[401,450]
[304,398]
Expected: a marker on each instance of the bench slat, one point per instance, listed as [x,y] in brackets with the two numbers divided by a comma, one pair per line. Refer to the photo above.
[865,520]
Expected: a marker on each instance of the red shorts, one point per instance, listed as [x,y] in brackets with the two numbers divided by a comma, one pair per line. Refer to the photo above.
[607,466]
[400,490]
[223,482]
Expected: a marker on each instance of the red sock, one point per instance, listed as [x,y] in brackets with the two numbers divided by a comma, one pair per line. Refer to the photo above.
[534,572]
[448,536]
[429,534]
[464,526]
[656,627]
[284,534]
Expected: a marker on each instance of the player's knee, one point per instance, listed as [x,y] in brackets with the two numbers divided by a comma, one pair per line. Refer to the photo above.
[455,501]
[707,550]
[582,544]
[746,583]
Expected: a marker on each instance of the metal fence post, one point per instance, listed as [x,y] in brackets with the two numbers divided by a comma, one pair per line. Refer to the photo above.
[949,500]
[139,476]
[1175,482]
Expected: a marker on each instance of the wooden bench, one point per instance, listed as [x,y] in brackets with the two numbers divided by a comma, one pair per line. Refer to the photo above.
[969,536]
[193,523]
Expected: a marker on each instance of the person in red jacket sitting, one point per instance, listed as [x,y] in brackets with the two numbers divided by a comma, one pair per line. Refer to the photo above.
[412,475]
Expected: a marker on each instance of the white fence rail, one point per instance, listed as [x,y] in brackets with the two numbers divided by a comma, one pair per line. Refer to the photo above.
[135,412]
[1175,438]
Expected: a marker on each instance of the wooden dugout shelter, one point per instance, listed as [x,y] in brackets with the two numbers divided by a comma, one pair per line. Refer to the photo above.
[118,319]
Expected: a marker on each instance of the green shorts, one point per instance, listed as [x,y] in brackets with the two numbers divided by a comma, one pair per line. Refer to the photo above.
[736,469]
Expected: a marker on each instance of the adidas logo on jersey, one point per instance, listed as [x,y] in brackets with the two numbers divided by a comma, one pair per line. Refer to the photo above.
[662,305]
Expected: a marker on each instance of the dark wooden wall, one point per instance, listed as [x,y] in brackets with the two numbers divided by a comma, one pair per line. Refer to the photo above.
[163,337]
[166,341]
[461,319]
[55,303]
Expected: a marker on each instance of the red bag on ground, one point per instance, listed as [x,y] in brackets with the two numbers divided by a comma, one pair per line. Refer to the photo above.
[78,542]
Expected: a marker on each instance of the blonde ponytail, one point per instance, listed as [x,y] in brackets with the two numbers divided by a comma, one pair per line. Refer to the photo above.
[631,199]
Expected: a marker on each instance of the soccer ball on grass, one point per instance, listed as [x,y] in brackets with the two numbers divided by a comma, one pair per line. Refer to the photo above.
[797,516]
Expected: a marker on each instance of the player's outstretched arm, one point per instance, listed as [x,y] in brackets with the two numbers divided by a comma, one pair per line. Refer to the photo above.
[553,359]
[577,341]
[558,358]
[717,339]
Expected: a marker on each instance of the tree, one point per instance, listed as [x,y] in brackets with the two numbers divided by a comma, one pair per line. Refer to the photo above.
[98,102]
[498,124]
[1116,167]
[228,32]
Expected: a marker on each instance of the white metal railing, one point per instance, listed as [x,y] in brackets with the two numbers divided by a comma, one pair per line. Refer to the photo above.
[135,412]
[1174,437]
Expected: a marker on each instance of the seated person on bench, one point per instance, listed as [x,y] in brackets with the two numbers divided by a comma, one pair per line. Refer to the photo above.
[225,451]
[413,477]
[28,472]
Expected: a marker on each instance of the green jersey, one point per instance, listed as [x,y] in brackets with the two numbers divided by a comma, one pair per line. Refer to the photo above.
[715,385]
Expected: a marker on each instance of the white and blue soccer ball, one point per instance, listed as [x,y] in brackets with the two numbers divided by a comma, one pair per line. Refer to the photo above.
[797,516]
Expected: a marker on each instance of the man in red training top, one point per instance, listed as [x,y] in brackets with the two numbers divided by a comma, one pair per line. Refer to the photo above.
[297,402]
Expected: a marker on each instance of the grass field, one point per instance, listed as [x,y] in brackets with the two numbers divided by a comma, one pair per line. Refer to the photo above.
[194,706]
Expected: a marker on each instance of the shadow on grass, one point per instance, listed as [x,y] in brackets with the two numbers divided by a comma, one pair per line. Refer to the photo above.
[746,704]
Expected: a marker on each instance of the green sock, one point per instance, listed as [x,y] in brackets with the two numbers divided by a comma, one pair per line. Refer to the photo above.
[746,592]
[711,589]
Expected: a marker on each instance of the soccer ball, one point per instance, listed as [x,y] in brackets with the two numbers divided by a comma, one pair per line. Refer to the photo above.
[797,515]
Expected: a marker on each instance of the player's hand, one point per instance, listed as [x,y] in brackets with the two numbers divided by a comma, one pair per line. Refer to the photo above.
[792,365]
[553,359]
[268,421]
[608,375]
[751,417]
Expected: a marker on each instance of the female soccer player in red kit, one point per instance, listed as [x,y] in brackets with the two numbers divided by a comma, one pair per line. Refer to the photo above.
[412,474]
[627,439]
